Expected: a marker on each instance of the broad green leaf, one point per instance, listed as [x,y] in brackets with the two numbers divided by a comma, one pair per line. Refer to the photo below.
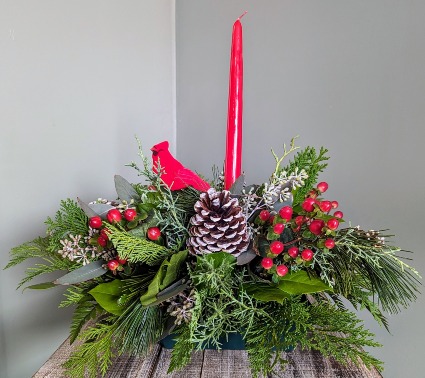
[125,190]
[166,275]
[217,259]
[301,283]
[107,295]
[85,273]
[265,292]
[42,286]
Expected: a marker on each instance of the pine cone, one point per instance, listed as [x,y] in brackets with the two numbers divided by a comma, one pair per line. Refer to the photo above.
[218,225]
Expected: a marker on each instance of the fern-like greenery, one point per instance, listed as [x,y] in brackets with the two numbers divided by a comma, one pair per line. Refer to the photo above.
[222,306]
[313,163]
[70,219]
[96,352]
[38,248]
[136,249]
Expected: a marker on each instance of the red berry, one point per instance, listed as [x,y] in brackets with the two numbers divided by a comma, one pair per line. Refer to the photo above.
[325,206]
[334,204]
[308,203]
[114,216]
[286,212]
[312,193]
[316,226]
[322,186]
[329,243]
[102,241]
[278,228]
[264,215]
[271,219]
[333,223]
[113,264]
[130,214]
[104,232]
[299,220]
[276,247]
[95,222]
[282,270]
[307,254]
[293,252]
[121,261]
[338,214]
[154,233]
[266,262]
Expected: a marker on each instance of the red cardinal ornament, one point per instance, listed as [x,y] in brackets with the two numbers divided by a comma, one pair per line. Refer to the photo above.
[174,174]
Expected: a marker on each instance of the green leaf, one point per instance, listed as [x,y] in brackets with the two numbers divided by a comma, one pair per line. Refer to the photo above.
[265,292]
[217,259]
[107,295]
[41,286]
[301,283]
[85,273]
[238,185]
[125,190]
[166,275]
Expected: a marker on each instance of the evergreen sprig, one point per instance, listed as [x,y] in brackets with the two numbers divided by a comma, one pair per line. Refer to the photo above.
[40,249]
[96,352]
[361,264]
[135,249]
[138,329]
[313,163]
[70,219]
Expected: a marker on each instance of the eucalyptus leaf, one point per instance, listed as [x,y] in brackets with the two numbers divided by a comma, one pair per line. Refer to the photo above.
[265,292]
[101,209]
[164,295]
[107,295]
[41,286]
[85,273]
[238,185]
[125,190]
[246,257]
[86,208]
[301,283]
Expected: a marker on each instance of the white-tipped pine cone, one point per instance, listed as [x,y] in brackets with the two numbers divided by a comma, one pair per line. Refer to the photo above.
[218,225]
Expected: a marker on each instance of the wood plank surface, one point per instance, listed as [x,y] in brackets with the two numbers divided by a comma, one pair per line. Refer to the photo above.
[212,364]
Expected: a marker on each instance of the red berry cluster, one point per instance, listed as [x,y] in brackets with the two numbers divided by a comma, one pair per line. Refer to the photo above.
[312,223]
[113,216]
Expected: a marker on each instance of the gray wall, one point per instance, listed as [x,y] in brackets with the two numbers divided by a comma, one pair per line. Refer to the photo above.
[79,79]
[348,75]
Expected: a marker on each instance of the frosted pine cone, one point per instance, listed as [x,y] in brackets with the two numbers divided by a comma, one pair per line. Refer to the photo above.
[218,225]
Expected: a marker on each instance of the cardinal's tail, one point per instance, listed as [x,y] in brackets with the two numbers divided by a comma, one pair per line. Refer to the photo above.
[193,180]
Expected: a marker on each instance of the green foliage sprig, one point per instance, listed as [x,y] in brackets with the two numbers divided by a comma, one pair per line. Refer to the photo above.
[70,219]
[313,163]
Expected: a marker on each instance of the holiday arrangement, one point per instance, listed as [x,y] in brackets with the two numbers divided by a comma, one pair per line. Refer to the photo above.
[199,261]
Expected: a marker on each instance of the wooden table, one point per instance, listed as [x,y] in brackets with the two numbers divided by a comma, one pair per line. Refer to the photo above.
[212,364]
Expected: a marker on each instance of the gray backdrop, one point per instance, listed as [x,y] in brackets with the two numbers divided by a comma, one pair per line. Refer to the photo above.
[80,79]
[348,75]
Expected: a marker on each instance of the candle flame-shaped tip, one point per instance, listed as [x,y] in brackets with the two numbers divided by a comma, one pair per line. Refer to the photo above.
[243,14]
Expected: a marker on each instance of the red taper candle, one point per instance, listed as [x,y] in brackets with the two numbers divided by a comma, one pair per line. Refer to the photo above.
[233,160]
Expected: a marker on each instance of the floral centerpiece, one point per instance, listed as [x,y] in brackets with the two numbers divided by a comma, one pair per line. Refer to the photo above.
[200,261]
[180,257]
